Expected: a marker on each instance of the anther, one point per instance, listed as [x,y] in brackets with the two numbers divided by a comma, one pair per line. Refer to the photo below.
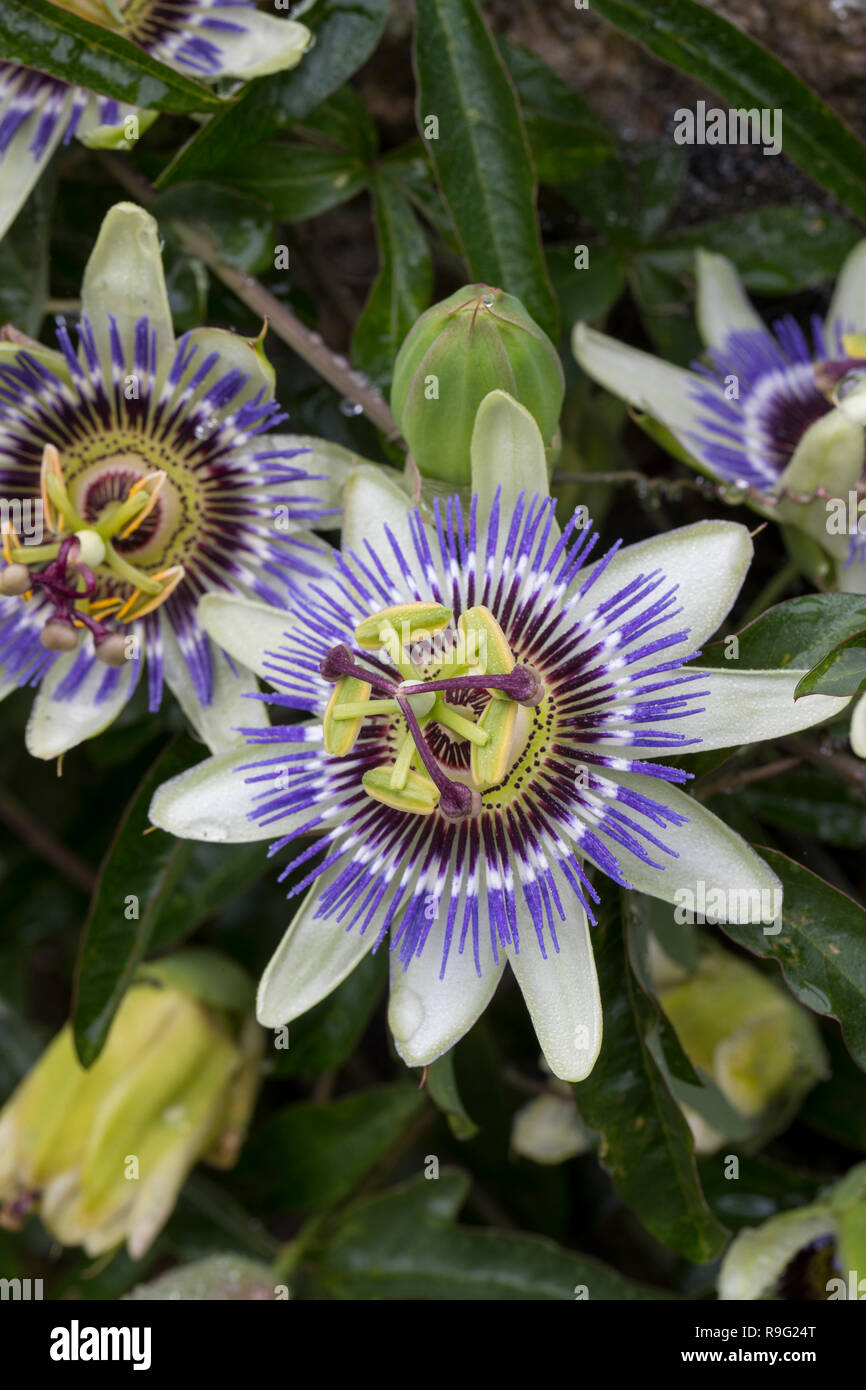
[111,649]
[59,635]
[15,580]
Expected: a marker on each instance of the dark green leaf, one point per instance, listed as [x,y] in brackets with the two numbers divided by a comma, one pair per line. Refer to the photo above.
[480,153]
[402,288]
[565,135]
[24,262]
[346,32]
[808,802]
[171,884]
[343,120]
[659,179]
[712,51]
[837,1107]
[323,1038]
[794,634]
[776,250]
[666,310]
[297,181]
[821,948]
[20,1045]
[760,1189]
[312,1155]
[240,227]
[404,1245]
[589,292]
[42,35]
[841,672]
[442,1085]
[646,1144]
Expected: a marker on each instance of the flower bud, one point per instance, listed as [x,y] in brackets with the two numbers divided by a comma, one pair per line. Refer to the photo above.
[477,341]
[102,1153]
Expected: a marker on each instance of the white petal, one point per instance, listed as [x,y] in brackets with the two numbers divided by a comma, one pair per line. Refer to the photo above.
[229,710]
[426,1015]
[20,170]
[745,707]
[711,859]
[848,305]
[507,453]
[93,133]
[757,1258]
[858,728]
[371,502]
[314,956]
[245,628]
[561,993]
[723,307]
[662,390]
[331,466]
[268,44]
[235,353]
[124,277]
[707,561]
[55,726]
[212,802]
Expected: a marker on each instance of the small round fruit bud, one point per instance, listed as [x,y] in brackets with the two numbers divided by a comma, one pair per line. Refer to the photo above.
[111,649]
[15,579]
[59,635]
[477,341]
[91,548]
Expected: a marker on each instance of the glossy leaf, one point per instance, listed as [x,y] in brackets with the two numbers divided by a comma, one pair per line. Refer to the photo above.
[24,263]
[240,226]
[297,181]
[821,948]
[404,1245]
[645,1141]
[795,634]
[742,73]
[807,801]
[565,135]
[42,35]
[480,152]
[841,672]
[346,33]
[442,1085]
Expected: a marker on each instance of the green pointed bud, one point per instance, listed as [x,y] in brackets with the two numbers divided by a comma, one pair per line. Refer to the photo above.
[477,341]
[102,1153]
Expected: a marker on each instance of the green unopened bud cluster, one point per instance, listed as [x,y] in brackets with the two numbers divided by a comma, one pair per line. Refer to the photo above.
[477,341]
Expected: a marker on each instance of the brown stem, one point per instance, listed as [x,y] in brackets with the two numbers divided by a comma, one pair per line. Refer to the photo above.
[34,834]
[308,345]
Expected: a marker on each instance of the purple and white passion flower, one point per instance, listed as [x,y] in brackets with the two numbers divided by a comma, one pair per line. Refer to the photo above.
[777,415]
[487,705]
[206,39]
[150,466]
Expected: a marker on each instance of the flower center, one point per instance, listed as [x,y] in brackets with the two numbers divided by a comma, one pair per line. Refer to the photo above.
[445,689]
[83,571]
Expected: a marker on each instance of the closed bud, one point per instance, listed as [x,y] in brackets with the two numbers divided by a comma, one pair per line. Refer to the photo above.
[101,1154]
[477,341]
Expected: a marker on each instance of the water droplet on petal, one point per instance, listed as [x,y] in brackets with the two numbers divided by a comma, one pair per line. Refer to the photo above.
[207,428]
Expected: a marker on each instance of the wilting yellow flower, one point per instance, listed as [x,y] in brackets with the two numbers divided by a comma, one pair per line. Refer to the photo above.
[743,1032]
[101,1154]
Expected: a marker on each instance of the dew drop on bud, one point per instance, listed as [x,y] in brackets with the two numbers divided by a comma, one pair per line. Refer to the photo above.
[15,579]
[58,635]
[488,299]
